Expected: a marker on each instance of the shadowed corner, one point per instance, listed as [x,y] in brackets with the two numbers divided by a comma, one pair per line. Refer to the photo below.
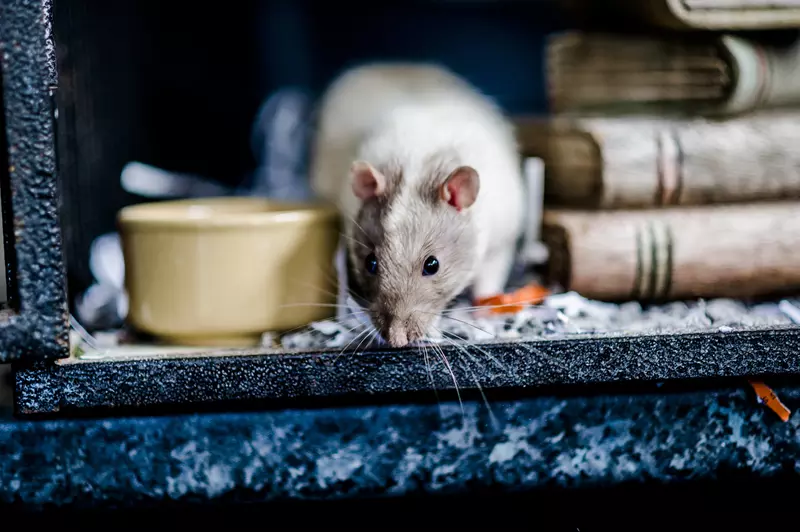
[6,389]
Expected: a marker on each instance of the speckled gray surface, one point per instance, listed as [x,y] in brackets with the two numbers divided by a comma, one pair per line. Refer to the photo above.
[395,450]
[322,376]
[34,260]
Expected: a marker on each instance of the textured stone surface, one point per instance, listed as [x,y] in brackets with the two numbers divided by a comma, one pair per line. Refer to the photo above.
[595,441]
[34,254]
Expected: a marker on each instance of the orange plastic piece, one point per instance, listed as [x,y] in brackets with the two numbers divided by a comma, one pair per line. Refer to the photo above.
[769,398]
[515,301]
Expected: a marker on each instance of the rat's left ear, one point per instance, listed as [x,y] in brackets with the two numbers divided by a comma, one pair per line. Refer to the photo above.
[461,188]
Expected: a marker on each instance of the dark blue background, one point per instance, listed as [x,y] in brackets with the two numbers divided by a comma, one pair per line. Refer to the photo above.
[177,84]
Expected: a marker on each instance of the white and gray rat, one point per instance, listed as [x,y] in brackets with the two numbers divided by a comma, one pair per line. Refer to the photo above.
[427,173]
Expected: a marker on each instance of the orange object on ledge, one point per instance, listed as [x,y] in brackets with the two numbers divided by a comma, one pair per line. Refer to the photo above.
[515,301]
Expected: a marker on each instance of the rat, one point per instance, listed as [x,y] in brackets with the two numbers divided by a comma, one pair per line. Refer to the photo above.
[427,174]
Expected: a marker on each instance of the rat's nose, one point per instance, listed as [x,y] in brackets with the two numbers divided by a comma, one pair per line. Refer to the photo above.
[397,334]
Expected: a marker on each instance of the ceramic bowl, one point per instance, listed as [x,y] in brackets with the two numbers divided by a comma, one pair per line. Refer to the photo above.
[222,271]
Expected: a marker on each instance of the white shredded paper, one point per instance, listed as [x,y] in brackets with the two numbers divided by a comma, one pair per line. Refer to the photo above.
[559,315]
[562,315]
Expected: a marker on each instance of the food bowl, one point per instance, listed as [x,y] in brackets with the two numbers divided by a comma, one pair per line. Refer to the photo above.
[222,271]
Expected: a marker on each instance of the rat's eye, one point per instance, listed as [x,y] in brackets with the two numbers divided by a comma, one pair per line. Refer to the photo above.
[431,266]
[371,264]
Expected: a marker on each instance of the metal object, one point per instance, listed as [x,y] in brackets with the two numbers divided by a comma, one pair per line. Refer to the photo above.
[208,380]
[36,327]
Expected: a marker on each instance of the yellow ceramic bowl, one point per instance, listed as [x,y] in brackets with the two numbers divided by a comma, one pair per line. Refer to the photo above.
[221,271]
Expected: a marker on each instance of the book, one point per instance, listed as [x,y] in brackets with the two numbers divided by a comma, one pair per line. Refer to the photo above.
[737,251]
[650,162]
[710,15]
[712,75]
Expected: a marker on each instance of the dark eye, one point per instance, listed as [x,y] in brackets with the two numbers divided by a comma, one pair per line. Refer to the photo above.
[371,264]
[431,266]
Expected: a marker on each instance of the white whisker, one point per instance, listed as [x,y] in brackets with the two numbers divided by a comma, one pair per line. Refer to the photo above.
[353,240]
[463,349]
[525,304]
[452,374]
[459,321]
[322,305]
[426,356]
[487,354]
[359,335]
[369,336]
[334,320]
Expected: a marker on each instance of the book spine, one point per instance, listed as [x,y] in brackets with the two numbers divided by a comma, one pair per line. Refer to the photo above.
[637,163]
[666,254]
[683,15]
[722,76]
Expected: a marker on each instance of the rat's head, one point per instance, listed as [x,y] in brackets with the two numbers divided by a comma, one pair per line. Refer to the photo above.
[413,244]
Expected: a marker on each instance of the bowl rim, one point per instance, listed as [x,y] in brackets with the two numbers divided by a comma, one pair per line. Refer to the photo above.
[173,214]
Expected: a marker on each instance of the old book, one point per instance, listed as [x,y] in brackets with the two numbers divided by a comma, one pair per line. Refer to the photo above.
[699,74]
[715,15]
[642,162]
[653,255]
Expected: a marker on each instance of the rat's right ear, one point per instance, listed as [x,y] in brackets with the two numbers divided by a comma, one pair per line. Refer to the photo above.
[461,188]
[367,181]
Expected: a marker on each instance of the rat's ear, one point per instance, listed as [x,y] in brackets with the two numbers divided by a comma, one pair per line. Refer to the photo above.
[367,182]
[461,188]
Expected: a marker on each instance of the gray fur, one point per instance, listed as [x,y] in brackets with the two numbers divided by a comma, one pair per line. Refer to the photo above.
[402,303]
[416,124]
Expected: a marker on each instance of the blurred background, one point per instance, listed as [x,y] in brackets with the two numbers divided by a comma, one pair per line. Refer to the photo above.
[178,86]
[227,97]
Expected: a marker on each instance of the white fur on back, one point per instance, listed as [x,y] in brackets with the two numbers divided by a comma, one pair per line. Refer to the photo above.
[407,112]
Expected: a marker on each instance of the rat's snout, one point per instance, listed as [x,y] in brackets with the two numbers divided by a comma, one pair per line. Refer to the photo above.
[397,335]
[398,332]
[398,324]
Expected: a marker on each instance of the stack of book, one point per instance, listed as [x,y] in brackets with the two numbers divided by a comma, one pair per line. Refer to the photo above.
[672,159]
